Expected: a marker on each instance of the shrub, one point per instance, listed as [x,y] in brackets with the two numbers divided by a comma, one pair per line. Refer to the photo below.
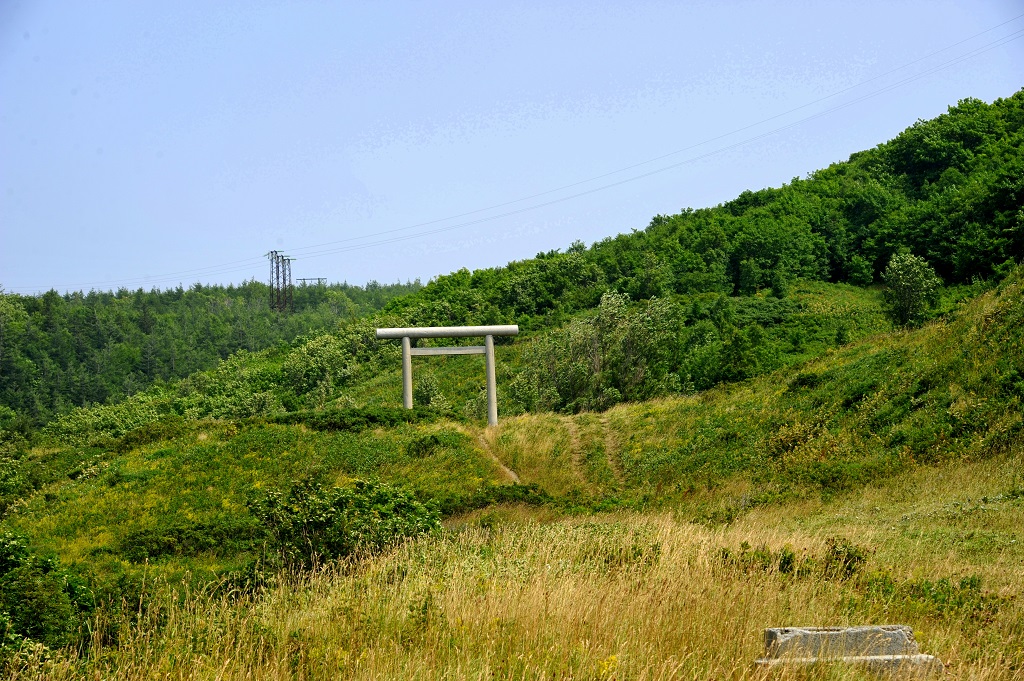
[490,494]
[962,599]
[355,419]
[166,428]
[428,445]
[843,559]
[310,524]
[425,389]
[12,484]
[323,360]
[13,552]
[911,288]
[221,536]
[37,604]
[763,559]
[39,600]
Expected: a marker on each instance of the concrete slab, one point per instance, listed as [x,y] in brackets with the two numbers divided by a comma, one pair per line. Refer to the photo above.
[839,641]
[886,650]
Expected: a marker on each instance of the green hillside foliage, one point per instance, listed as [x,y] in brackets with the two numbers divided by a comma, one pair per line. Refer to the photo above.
[58,352]
[178,494]
[862,412]
[646,349]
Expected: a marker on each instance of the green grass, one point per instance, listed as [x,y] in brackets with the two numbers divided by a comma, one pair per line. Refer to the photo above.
[851,415]
[206,476]
[847,416]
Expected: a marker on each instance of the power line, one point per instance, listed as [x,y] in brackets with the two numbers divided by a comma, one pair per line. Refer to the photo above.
[669,154]
[317,250]
[905,81]
[223,268]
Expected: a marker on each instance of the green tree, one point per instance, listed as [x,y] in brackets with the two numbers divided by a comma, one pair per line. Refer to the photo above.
[911,288]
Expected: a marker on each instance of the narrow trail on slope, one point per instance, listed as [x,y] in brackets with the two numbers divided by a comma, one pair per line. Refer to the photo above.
[575,450]
[610,447]
[509,473]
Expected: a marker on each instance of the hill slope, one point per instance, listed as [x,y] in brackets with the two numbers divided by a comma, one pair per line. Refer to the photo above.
[717,367]
[862,412]
[878,481]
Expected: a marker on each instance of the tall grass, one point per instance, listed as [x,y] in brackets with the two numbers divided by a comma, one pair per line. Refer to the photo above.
[511,593]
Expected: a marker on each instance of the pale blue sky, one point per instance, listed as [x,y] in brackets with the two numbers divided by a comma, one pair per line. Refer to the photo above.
[142,141]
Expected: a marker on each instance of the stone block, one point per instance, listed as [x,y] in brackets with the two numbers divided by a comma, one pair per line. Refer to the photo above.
[839,641]
[888,650]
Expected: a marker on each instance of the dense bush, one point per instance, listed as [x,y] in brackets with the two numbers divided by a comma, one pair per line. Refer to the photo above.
[911,288]
[223,536]
[39,600]
[311,524]
[321,362]
[490,494]
[355,419]
[633,352]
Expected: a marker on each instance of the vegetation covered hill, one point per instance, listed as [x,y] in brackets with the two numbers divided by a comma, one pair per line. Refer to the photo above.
[888,472]
[60,352]
[672,389]
[857,413]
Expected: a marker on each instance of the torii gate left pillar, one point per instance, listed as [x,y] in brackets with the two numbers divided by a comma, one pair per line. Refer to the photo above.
[487,350]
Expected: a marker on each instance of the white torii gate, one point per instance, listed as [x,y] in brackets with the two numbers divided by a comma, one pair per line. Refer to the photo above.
[487,350]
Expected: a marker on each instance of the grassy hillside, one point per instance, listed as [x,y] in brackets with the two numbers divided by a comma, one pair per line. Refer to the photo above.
[760,486]
[184,459]
[858,413]
[512,592]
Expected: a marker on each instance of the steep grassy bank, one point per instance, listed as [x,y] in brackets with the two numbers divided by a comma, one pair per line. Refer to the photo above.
[868,410]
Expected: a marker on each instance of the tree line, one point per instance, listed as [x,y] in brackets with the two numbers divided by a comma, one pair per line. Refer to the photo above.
[62,351]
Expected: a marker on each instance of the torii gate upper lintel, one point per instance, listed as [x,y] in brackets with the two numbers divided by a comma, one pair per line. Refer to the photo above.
[487,350]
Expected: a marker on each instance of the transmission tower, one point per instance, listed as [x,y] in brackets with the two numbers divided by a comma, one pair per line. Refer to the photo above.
[288,304]
[280,282]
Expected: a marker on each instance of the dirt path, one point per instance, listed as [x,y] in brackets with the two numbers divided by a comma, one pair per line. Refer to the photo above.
[575,450]
[610,447]
[509,473]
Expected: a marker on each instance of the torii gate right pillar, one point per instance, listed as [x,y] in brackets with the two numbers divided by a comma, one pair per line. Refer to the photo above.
[492,383]
[406,372]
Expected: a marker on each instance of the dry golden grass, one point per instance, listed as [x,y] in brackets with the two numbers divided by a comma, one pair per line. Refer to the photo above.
[514,593]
